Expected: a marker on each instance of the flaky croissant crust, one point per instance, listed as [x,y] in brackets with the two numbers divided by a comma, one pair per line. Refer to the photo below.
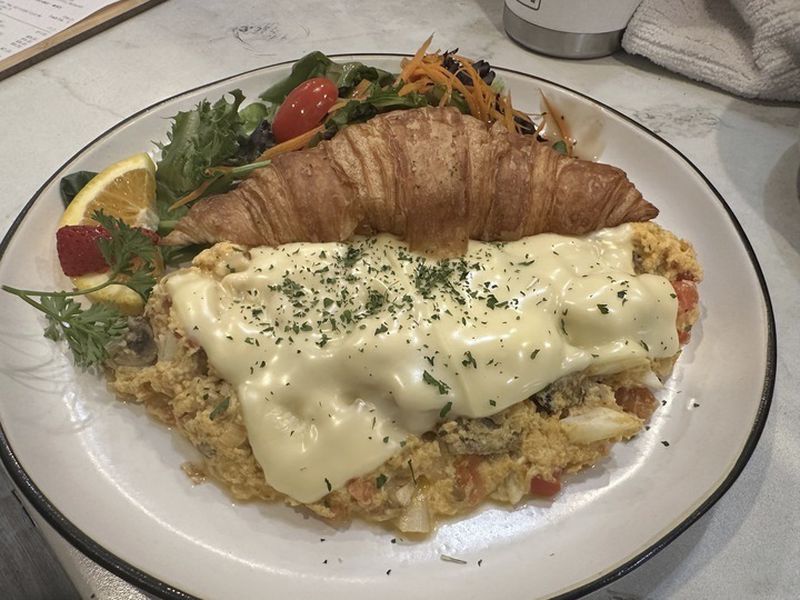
[432,176]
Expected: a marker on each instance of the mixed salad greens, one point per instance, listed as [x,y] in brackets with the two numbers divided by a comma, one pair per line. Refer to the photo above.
[213,146]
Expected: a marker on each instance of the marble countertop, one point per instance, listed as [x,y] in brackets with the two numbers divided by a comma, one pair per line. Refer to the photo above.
[744,546]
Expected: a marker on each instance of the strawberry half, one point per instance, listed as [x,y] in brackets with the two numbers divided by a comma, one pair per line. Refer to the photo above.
[78,251]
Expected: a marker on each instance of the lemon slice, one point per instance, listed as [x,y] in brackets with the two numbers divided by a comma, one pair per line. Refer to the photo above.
[126,190]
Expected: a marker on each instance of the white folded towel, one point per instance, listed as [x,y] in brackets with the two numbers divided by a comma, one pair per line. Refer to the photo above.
[748,47]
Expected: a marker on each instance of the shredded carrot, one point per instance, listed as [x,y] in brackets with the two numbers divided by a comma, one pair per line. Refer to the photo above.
[423,71]
[192,196]
[360,89]
[561,124]
[441,75]
[445,99]
[512,127]
[503,111]
[201,189]
[414,86]
[526,118]
[412,64]
[485,94]
[338,104]
[499,115]
[482,88]
[296,143]
[421,81]
[357,94]
[482,106]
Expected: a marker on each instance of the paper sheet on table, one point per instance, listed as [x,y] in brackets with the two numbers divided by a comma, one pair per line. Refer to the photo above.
[24,23]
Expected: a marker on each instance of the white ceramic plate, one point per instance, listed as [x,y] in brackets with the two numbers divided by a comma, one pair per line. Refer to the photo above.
[109,479]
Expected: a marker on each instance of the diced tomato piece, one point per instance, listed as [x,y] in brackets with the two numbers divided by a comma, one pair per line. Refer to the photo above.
[638,401]
[362,490]
[687,295]
[686,292]
[469,479]
[544,487]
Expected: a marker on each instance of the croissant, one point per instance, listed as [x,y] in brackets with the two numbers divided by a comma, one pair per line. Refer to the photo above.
[432,176]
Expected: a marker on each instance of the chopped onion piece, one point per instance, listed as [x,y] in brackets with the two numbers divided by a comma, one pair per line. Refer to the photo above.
[167,347]
[405,493]
[651,380]
[600,423]
[417,518]
[615,364]
[515,488]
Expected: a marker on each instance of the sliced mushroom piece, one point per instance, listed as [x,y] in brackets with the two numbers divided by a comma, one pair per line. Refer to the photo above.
[136,348]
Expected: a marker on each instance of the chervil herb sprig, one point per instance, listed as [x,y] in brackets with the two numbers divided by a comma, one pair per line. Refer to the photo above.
[86,331]
[131,256]
[129,253]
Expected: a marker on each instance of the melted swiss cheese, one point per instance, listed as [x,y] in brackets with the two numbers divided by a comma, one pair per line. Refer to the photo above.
[339,351]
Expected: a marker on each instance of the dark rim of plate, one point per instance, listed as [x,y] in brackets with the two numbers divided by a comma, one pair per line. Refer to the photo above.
[151,585]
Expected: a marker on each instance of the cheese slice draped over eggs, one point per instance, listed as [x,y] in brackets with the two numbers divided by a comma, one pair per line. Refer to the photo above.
[339,351]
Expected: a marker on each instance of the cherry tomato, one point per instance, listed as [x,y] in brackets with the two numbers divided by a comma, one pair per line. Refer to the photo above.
[304,108]
[543,487]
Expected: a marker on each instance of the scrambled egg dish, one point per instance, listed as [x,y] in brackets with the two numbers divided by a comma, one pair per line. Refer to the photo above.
[360,379]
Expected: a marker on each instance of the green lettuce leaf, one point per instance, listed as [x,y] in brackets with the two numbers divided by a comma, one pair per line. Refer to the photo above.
[252,115]
[348,75]
[311,65]
[73,183]
[201,138]
[378,101]
[316,64]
